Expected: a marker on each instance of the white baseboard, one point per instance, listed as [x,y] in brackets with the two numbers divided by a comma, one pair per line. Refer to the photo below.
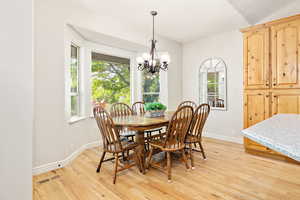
[64,162]
[238,140]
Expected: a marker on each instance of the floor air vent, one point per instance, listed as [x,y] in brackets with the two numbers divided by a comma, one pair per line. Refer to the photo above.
[49,179]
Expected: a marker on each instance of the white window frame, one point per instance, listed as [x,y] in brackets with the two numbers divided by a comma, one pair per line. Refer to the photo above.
[77,93]
[73,38]
[150,93]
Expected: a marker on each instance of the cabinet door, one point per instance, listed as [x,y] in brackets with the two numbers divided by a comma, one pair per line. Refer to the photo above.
[256,59]
[285,56]
[256,107]
[287,102]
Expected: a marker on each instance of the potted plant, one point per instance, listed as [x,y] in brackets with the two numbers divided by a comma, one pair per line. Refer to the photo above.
[155,109]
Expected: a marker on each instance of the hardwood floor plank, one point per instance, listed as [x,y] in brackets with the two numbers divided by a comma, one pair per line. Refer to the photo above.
[228,173]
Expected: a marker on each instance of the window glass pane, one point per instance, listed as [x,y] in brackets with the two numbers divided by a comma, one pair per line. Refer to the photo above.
[74,106]
[74,68]
[212,89]
[212,77]
[110,79]
[150,82]
[148,98]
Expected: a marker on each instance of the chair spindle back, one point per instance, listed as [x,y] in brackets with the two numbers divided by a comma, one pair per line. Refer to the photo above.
[200,116]
[188,103]
[178,127]
[120,109]
[138,107]
[110,134]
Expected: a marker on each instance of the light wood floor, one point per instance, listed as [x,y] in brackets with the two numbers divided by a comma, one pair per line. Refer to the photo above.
[228,174]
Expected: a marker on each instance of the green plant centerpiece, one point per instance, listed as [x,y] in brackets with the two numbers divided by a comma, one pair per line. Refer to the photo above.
[155,109]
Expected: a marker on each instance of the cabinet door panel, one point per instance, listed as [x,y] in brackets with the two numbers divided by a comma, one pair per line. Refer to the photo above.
[285,48]
[256,59]
[256,107]
[287,102]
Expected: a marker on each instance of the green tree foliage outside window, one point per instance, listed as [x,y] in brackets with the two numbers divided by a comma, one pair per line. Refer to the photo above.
[213,84]
[151,87]
[110,82]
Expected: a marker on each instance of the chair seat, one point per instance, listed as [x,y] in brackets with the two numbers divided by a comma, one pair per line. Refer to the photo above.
[127,145]
[191,139]
[174,146]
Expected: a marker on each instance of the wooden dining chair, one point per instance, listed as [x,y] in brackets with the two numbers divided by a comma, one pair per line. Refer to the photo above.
[112,142]
[121,110]
[194,135]
[220,103]
[175,137]
[188,103]
[138,108]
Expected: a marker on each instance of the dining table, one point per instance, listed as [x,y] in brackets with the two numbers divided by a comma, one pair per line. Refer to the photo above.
[139,124]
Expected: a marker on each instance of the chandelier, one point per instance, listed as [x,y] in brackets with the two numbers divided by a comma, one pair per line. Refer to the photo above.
[154,61]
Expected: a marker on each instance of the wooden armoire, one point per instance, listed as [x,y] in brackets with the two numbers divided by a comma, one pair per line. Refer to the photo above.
[271,75]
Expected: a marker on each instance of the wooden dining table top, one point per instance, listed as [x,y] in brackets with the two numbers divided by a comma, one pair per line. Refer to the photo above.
[141,121]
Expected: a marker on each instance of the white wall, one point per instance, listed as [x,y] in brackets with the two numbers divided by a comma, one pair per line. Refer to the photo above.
[228,46]
[16,107]
[54,138]
[174,73]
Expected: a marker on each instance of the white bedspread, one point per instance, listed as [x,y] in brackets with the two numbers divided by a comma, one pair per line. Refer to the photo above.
[280,133]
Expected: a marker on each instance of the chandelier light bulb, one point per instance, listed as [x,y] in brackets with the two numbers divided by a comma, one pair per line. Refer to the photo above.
[165,58]
[139,60]
[146,56]
[153,62]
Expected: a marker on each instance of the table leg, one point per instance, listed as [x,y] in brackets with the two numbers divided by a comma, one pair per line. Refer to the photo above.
[140,151]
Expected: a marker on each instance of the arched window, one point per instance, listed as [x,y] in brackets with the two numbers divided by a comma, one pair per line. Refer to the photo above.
[212,83]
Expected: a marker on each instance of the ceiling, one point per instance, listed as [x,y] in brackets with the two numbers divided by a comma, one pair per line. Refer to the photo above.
[254,12]
[186,20]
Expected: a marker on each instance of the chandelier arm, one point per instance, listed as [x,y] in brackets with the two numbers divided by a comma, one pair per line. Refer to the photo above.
[141,67]
[164,66]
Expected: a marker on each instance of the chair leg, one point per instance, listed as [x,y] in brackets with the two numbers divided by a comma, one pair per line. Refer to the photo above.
[116,167]
[185,159]
[195,145]
[123,156]
[191,156]
[160,134]
[202,150]
[127,156]
[169,165]
[150,158]
[149,135]
[101,160]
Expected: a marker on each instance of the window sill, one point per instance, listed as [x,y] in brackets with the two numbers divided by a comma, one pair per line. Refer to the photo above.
[76,119]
